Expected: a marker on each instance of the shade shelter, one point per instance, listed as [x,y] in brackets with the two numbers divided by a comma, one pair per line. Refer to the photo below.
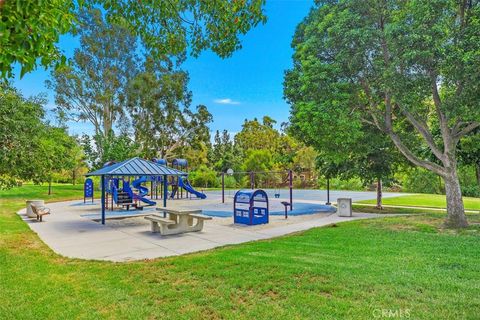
[135,167]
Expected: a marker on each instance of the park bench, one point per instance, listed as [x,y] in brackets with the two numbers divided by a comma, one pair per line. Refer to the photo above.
[40,212]
[286,204]
[159,224]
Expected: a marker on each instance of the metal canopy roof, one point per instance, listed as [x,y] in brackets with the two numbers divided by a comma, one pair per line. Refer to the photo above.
[136,167]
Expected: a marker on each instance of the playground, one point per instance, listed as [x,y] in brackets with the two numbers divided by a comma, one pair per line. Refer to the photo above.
[119,225]
[153,211]
[74,231]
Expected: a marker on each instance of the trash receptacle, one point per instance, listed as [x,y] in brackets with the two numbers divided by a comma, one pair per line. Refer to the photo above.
[344,207]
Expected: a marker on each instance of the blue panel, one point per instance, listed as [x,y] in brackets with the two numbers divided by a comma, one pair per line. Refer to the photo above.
[88,188]
[250,207]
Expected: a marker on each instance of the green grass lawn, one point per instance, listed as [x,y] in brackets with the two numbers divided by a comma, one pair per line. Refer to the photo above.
[426,200]
[351,270]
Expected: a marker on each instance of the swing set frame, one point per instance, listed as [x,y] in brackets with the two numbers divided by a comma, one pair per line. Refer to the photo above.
[252,182]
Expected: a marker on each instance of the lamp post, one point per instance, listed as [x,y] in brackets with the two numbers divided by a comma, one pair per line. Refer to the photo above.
[328,192]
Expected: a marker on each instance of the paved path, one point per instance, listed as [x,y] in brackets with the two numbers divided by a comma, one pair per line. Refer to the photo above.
[70,234]
[305,195]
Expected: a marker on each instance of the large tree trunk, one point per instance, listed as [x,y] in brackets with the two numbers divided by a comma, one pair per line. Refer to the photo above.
[455,210]
[379,194]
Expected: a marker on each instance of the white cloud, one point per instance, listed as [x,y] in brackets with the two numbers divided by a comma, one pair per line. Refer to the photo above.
[226,101]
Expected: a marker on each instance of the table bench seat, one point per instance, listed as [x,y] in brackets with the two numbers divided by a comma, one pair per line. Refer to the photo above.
[159,224]
[200,216]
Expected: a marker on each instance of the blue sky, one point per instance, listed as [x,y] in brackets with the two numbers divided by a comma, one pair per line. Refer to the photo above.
[244,86]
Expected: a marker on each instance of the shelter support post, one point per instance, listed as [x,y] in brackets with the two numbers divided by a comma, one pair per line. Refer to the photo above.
[165,191]
[103,199]
[223,187]
[290,186]
[328,192]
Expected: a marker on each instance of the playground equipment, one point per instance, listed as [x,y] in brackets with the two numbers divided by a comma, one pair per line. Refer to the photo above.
[88,189]
[250,207]
[181,183]
[286,205]
[134,167]
[252,176]
[185,184]
[123,191]
[177,190]
[125,196]
[142,191]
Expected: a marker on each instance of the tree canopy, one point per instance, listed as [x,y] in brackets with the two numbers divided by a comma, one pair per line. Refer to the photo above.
[30,29]
[30,148]
[403,67]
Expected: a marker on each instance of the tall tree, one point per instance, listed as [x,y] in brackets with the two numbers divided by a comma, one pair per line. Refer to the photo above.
[372,158]
[30,29]
[57,152]
[92,87]
[387,63]
[115,148]
[31,149]
[159,106]
[223,152]
[256,135]
[20,131]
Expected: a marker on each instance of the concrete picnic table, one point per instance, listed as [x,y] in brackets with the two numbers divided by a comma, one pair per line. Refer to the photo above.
[179,221]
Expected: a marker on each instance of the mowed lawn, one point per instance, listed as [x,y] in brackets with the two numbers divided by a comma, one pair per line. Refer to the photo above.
[352,270]
[426,200]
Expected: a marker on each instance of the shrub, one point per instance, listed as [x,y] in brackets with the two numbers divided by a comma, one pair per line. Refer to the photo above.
[203,177]
[422,181]
[471,191]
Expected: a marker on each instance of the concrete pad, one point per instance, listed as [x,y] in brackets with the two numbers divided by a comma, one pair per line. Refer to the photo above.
[71,232]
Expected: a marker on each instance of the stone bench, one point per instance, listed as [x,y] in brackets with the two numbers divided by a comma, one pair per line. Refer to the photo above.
[200,219]
[159,224]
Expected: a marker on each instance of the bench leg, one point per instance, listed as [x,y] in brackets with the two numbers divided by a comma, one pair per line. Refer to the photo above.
[155,228]
[197,227]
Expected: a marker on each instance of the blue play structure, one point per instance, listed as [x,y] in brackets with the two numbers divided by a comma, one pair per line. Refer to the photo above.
[185,184]
[130,191]
[88,189]
[250,207]
[123,195]
[142,191]
[181,183]
[120,192]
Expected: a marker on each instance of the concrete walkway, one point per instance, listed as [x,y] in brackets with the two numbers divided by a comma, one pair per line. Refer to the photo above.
[72,235]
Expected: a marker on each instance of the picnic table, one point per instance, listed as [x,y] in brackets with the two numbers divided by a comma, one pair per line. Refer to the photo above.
[178,221]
